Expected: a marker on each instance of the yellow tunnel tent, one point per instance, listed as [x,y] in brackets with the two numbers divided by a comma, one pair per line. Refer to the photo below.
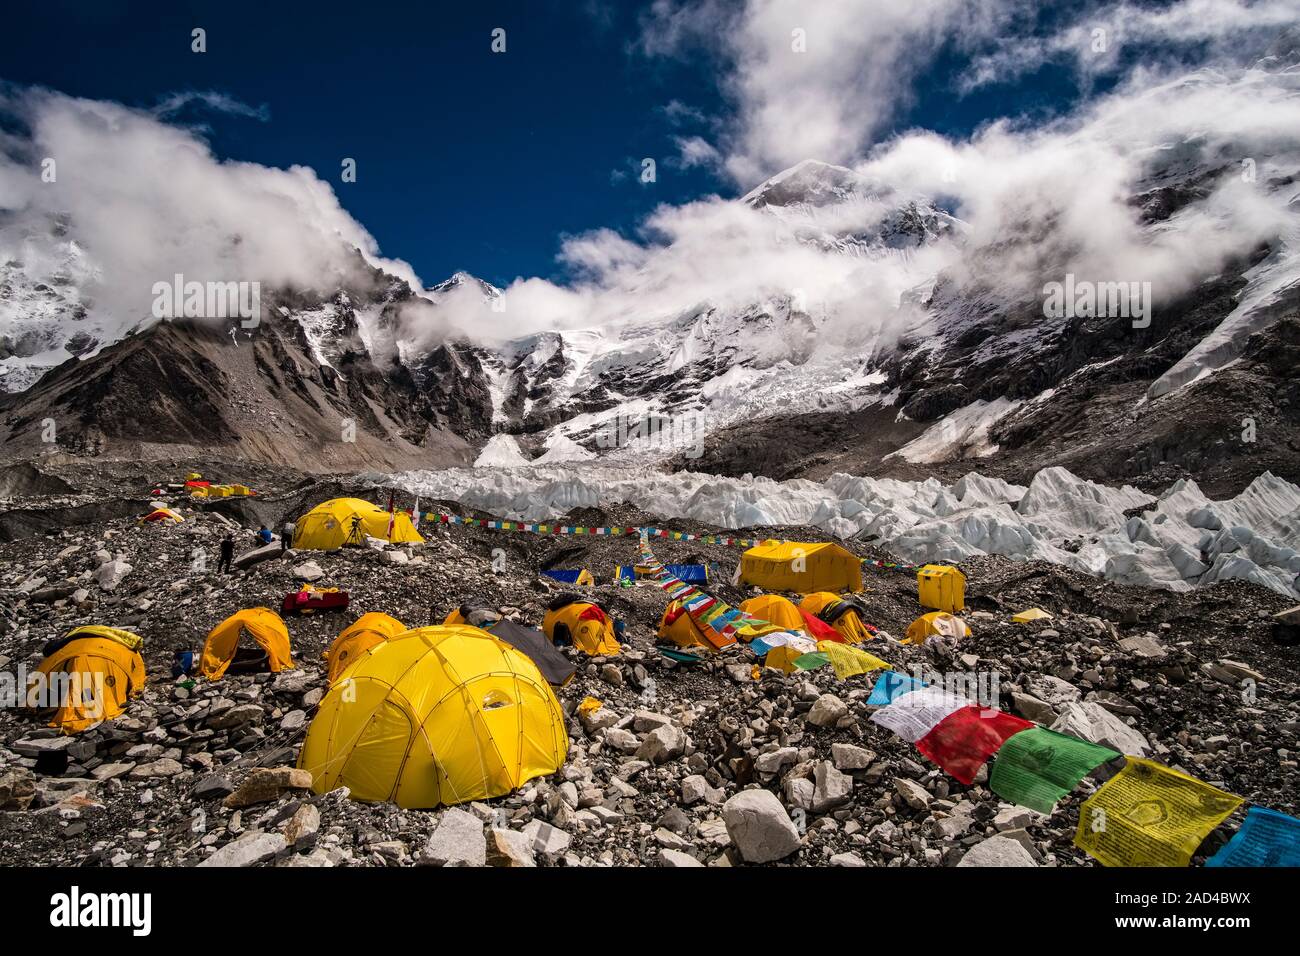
[263,625]
[88,676]
[438,715]
[358,637]
[339,521]
[802,567]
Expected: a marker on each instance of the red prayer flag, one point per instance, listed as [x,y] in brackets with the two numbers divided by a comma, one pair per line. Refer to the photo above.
[819,629]
[963,741]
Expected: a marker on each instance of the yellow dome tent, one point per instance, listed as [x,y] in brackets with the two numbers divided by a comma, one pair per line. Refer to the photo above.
[583,624]
[839,614]
[162,514]
[801,567]
[339,521]
[263,625]
[438,715]
[939,623]
[91,673]
[775,610]
[358,637]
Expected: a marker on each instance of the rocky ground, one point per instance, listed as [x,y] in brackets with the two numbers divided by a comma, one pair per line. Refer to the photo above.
[684,764]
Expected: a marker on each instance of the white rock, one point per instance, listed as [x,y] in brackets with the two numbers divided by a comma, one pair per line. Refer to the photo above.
[997,851]
[827,711]
[308,571]
[110,574]
[457,840]
[759,826]
[1088,720]
[250,849]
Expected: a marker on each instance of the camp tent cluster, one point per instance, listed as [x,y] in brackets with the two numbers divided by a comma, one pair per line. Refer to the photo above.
[342,521]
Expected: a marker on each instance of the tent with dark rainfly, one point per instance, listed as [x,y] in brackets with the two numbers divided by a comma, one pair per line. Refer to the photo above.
[438,715]
[579,576]
[555,667]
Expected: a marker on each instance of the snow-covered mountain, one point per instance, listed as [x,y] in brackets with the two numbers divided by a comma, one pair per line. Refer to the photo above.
[919,352]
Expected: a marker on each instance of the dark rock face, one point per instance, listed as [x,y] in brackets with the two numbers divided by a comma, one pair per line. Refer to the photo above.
[275,393]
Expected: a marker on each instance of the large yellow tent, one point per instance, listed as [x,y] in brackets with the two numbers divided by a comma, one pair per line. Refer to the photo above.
[88,676]
[438,715]
[802,567]
[839,614]
[263,625]
[339,521]
[357,638]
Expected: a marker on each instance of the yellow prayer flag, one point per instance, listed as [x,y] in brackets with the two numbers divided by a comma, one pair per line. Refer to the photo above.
[1149,815]
[848,660]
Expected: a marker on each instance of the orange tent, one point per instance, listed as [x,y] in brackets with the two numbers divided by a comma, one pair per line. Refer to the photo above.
[677,626]
[263,625]
[88,676]
[357,638]
[774,609]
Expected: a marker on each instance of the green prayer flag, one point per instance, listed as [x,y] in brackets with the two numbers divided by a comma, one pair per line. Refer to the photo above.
[1037,767]
[812,660]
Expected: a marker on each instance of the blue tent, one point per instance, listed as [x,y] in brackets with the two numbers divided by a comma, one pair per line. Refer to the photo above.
[691,573]
[572,576]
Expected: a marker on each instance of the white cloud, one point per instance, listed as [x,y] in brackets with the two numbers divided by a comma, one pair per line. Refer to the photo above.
[810,79]
[1040,200]
[1092,45]
[146,200]
[697,151]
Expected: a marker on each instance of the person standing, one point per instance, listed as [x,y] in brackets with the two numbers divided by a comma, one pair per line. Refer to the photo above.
[286,536]
[227,553]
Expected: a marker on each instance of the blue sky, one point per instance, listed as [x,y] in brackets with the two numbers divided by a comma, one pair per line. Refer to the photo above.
[466,159]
